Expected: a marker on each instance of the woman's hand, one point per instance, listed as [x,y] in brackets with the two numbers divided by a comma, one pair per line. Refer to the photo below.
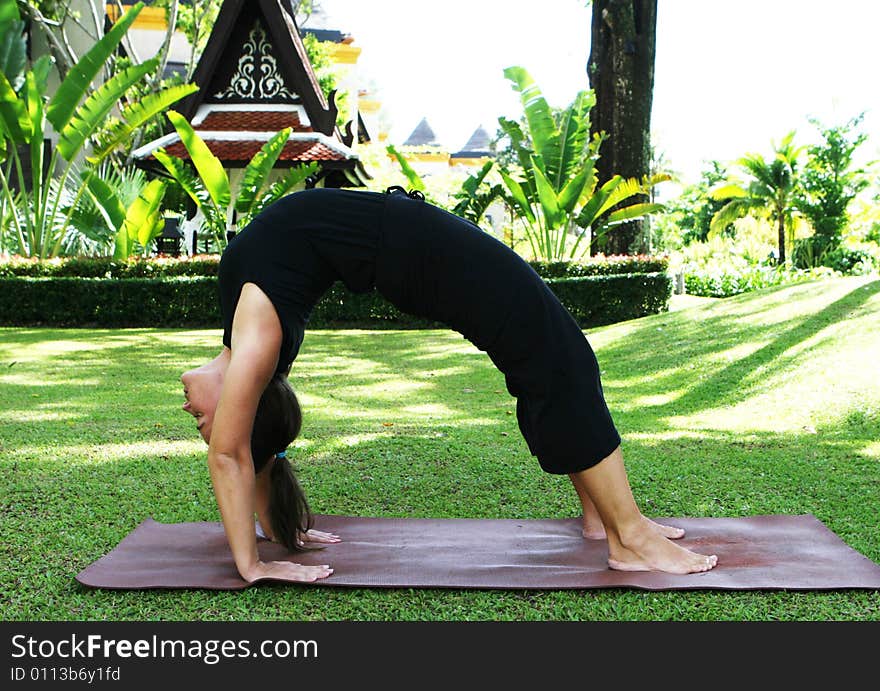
[287,571]
[318,536]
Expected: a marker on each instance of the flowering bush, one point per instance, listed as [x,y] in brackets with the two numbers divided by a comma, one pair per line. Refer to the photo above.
[721,282]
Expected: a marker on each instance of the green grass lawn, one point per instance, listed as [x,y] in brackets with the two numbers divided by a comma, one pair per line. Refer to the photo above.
[764,403]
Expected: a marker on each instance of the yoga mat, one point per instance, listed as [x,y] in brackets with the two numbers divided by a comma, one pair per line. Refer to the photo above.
[754,553]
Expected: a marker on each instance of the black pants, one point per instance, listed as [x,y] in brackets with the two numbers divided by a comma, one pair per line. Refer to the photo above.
[433,264]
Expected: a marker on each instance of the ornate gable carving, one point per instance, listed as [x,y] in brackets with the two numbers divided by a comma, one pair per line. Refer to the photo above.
[257,75]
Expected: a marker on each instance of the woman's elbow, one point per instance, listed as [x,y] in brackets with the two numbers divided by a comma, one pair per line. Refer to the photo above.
[226,462]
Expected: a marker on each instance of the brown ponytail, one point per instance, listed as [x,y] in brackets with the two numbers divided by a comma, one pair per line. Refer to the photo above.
[287,505]
[277,423]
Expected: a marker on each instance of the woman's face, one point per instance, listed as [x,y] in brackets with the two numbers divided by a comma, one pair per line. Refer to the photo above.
[201,388]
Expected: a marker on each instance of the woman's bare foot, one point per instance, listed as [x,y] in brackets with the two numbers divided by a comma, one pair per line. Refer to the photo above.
[595,530]
[645,549]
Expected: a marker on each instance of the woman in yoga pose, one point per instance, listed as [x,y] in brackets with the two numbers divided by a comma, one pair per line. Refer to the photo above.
[429,263]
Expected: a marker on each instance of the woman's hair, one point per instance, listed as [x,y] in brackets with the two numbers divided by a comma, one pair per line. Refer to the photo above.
[276,424]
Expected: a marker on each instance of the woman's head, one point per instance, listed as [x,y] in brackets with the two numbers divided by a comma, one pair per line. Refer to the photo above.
[276,424]
[201,388]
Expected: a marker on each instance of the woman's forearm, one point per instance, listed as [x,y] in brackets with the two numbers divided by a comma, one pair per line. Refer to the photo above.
[234,489]
[263,483]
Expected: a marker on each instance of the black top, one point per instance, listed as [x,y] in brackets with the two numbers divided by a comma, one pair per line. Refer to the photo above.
[295,250]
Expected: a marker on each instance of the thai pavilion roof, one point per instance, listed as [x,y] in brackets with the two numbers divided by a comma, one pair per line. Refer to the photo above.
[422,135]
[477,146]
[255,79]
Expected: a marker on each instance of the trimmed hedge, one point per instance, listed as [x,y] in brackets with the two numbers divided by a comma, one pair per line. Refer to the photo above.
[600,300]
[192,302]
[109,302]
[207,264]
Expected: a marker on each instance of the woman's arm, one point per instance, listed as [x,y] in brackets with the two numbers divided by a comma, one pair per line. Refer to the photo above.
[262,496]
[256,339]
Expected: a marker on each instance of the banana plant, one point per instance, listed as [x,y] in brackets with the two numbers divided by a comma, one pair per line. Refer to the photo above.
[555,192]
[41,206]
[132,227]
[209,185]
[474,198]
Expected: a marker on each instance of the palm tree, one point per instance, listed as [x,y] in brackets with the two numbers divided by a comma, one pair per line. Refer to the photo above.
[771,190]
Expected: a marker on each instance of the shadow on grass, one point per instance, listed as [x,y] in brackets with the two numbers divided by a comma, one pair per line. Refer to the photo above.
[728,382]
[679,357]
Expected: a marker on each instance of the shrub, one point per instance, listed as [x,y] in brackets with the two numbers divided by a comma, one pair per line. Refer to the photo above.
[192,301]
[850,260]
[109,302]
[600,300]
[725,282]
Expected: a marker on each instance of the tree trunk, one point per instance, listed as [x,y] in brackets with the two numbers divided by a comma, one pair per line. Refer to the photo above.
[621,73]
[781,227]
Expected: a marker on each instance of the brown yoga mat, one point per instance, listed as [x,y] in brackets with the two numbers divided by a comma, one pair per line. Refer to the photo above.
[754,553]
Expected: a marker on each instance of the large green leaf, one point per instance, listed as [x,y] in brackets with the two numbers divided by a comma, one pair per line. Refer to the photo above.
[122,244]
[542,126]
[280,188]
[140,218]
[258,169]
[574,139]
[80,77]
[549,203]
[727,191]
[635,211]
[518,141]
[107,201]
[180,171]
[35,114]
[8,11]
[412,177]
[592,215]
[591,211]
[41,68]
[14,114]
[13,51]
[574,188]
[625,189]
[474,180]
[193,185]
[138,113]
[94,111]
[209,167]
[518,197]
[520,146]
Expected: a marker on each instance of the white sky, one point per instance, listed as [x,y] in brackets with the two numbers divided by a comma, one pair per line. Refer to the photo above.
[731,76]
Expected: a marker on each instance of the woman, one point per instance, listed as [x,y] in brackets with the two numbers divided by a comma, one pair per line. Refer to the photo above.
[431,264]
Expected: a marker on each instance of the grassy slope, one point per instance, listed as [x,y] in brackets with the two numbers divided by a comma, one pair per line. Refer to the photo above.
[764,403]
